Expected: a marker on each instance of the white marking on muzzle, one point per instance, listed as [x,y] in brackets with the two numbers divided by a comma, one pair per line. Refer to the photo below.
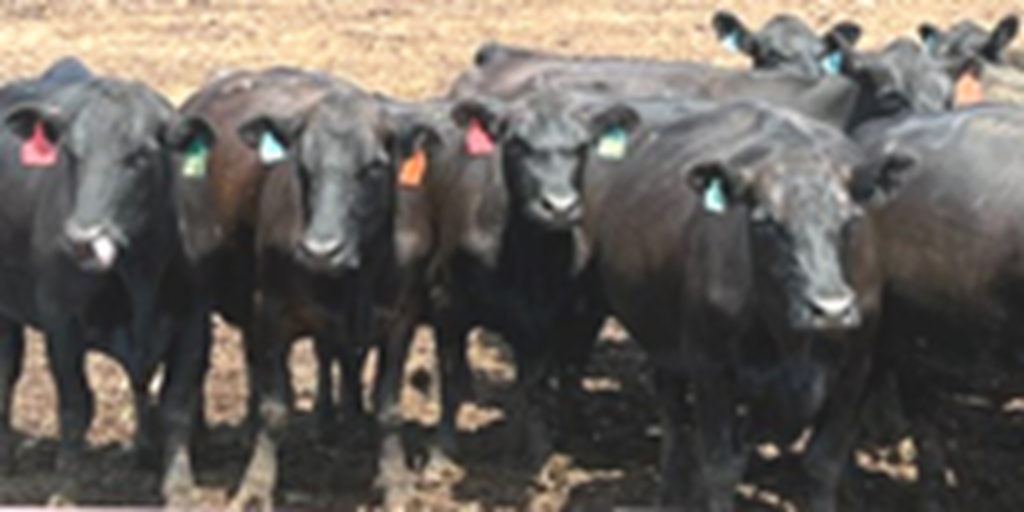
[835,306]
[105,251]
[562,202]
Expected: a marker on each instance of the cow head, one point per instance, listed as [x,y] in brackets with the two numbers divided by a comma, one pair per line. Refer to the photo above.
[343,152]
[804,218]
[546,140]
[784,42]
[900,78]
[112,138]
[967,40]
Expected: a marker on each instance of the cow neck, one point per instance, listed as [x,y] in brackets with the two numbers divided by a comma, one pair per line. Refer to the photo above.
[533,256]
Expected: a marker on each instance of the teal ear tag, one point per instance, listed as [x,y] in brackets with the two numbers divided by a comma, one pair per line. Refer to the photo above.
[731,42]
[196,156]
[832,64]
[271,149]
[714,197]
[612,145]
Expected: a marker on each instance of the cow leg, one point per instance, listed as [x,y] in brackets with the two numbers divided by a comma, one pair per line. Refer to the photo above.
[394,476]
[324,406]
[719,454]
[671,392]
[180,397]
[352,362]
[451,331]
[920,404]
[835,431]
[146,429]
[270,373]
[573,340]
[531,405]
[12,350]
[65,350]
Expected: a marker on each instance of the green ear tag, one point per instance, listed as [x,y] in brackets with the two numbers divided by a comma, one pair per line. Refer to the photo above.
[714,197]
[612,145]
[194,165]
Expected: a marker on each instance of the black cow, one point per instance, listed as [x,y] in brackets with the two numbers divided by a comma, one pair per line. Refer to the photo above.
[948,245]
[785,42]
[967,40]
[93,257]
[980,60]
[488,239]
[893,81]
[64,72]
[323,244]
[733,246]
[221,211]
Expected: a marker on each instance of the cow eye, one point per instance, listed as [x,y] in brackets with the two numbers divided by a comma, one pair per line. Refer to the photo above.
[759,214]
[371,170]
[517,145]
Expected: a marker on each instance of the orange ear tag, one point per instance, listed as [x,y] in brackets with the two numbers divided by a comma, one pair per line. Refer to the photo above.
[968,90]
[413,169]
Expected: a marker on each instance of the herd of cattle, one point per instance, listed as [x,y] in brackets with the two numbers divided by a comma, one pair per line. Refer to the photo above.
[779,240]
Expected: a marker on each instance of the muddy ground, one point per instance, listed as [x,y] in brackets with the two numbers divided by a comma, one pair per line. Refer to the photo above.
[413,49]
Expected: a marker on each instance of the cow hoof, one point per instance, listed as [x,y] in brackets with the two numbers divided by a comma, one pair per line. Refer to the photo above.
[249,499]
[398,484]
[441,470]
[60,499]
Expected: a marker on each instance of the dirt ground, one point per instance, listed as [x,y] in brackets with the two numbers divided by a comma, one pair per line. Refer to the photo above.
[414,49]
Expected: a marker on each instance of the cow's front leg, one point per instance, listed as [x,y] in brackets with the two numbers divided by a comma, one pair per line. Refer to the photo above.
[65,350]
[270,371]
[12,350]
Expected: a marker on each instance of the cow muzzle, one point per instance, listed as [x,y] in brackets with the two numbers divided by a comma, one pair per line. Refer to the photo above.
[94,249]
[558,211]
[834,311]
[328,255]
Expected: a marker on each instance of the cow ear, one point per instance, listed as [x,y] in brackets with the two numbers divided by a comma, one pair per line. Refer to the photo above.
[879,181]
[838,58]
[848,30]
[413,138]
[23,120]
[1002,35]
[712,184]
[486,113]
[929,35]
[189,132]
[732,33]
[616,117]
[271,137]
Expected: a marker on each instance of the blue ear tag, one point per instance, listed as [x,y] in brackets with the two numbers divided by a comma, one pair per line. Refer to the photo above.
[731,42]
[832,64]
[714,197]
[612,145]
[271,150]
[929,44]
[194,163]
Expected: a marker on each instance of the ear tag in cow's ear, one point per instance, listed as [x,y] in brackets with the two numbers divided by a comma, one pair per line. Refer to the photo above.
[731,41]
[832,64]
[478,142]
[714,197]
[413,169]
[968,90]
[37,150]
[271,149]
[194,164]
[612,145]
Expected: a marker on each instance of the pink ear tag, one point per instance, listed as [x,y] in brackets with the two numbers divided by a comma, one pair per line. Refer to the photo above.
[37,150]
[478,143]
